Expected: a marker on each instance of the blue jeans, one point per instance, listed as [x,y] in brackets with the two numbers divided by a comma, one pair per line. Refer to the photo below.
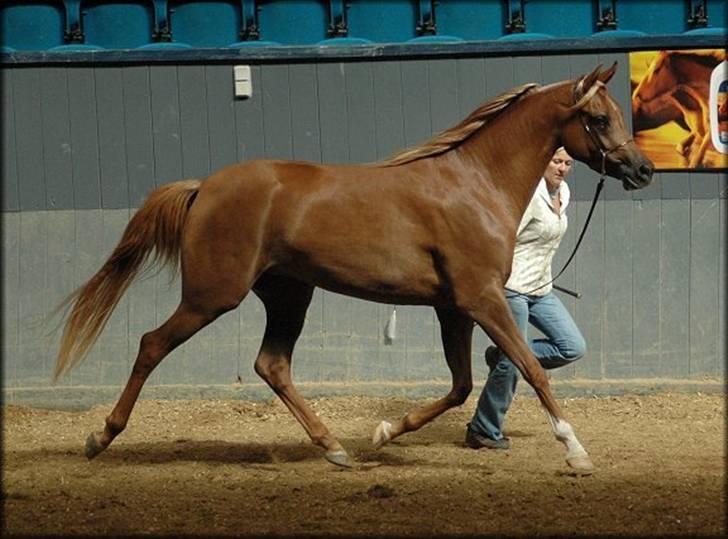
[563,344]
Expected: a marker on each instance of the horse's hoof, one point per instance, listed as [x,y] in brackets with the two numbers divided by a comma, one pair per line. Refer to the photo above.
[93,446]
[382,434]
[340,458]
[581,464]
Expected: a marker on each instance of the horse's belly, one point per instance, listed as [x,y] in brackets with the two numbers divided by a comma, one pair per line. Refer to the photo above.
[377,276]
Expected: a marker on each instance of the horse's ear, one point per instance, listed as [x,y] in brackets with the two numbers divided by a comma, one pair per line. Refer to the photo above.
[605,76]
[588,80]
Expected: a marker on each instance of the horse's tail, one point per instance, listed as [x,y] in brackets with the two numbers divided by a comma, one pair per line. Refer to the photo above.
[156,226]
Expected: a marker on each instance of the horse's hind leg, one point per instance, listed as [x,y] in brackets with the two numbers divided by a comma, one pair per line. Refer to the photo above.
[154,346]
[286,301]
[457,330]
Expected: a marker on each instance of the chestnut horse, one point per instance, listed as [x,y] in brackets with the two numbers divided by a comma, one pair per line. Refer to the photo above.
[282,228]
[675,87]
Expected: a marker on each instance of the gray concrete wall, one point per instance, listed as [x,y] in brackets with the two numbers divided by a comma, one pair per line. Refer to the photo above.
[82,146]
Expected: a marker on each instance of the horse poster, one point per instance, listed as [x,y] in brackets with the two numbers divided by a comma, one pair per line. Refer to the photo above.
[673,107]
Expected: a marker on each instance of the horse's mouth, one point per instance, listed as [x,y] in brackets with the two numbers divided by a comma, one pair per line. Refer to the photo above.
[629,184]
[634,178]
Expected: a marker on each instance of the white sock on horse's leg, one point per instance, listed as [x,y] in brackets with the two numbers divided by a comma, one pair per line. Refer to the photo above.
[565,434]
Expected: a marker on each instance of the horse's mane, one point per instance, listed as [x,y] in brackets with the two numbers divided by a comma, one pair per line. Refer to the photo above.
[454,136]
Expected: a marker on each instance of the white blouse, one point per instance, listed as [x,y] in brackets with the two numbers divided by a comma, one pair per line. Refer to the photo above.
[539,235]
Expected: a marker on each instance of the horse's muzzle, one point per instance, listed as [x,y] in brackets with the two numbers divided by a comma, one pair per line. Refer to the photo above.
[636,176]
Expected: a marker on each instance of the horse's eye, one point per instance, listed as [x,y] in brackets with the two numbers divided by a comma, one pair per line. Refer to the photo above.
[601,122]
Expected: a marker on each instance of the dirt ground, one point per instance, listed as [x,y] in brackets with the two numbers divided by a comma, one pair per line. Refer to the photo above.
[244,468]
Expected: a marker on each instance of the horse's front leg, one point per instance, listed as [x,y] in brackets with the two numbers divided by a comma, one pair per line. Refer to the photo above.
[494,316]
[457,330]
[683,146]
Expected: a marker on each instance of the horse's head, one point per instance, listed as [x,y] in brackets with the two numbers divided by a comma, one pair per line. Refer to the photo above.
[594,132]
[651,106]
[658,79]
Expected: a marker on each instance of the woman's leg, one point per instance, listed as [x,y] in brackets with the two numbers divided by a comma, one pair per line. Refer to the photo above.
[563,342]
[497,395]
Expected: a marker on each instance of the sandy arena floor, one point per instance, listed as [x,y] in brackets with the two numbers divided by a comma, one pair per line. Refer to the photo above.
[244,468]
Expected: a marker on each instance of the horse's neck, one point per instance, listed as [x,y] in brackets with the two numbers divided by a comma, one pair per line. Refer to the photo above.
[515,147]
[691,70]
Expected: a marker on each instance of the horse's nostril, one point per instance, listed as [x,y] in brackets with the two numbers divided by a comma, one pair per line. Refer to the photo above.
[646,171]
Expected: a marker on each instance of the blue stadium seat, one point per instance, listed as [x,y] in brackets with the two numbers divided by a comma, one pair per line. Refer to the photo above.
[31,25]
[77,47]
[618,33]
[343,42]
[383,21]
[435,39]
[165,45]
[206,23]
[253,44]
[293,22]
[118,24]
[560,19]
[651,17]
[473,21]
[707,32]
[524,36]
[717,13]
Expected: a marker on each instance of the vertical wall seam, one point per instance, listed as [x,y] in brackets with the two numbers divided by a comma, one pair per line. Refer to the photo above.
[42,146]
[70,137]
[98,140]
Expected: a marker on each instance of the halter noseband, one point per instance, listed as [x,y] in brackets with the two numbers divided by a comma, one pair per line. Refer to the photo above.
[595,139]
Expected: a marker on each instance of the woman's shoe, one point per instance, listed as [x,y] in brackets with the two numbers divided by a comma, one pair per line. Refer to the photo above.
[477,441]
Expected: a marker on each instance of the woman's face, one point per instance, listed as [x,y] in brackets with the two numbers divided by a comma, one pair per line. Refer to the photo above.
[557,169]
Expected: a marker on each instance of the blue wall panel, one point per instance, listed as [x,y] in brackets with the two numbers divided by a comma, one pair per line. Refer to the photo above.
[416,102]
[675,287]
[112,140]
[56,135]
[84,138]
[9,159]
[305,113]
[194,127]
[646,287]
[223,145]
[11,271]
[389,119]
[360,112]
[704,286]
[277,119]
[332,110]
[249,121]
[28,139]
[164,84]
[138,120]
